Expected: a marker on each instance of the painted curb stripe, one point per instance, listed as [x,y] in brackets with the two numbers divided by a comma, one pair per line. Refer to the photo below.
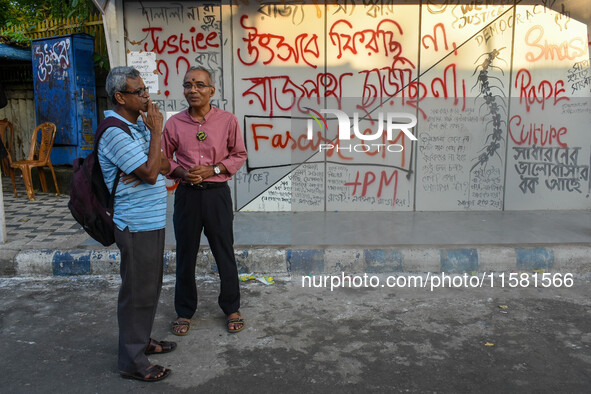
[307,261]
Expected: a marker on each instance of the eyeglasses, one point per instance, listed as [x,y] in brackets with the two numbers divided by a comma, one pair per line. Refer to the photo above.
[140,92]
[199,86]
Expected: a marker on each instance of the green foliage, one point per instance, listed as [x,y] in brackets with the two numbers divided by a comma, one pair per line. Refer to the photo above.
[28,13]
[34,11]
[101,63]
[16,38]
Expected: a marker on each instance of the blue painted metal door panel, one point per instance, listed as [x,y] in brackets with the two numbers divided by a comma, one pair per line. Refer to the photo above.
[65,92]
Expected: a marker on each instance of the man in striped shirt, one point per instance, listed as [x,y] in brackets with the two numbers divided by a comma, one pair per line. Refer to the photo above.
[139,216]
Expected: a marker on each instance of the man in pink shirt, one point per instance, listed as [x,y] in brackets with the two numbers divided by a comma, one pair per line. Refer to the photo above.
[209,149]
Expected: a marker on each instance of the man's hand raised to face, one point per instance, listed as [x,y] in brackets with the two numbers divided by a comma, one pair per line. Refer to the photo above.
[153,119]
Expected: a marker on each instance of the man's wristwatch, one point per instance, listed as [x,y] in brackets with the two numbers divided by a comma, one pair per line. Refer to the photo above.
[216,170]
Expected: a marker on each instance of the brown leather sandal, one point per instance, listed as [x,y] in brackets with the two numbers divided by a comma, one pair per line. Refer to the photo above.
[236,320]
[177,326]
[166,346]
[150,375]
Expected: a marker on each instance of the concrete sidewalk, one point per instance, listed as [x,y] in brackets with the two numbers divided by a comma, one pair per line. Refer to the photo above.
[44,239]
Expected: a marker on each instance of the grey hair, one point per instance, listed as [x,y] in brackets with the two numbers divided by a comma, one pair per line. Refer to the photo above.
[117,80]
[201,68]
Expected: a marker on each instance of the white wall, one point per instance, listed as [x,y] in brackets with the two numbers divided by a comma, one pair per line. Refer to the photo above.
[481,80]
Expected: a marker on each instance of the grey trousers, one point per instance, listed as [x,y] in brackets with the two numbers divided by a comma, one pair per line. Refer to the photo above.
[142,265]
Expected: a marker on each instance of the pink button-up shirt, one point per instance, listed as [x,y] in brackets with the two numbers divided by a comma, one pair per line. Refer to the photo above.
[223,144]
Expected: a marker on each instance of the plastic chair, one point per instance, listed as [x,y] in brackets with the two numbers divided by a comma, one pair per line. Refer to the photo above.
[38,158]
[7,134]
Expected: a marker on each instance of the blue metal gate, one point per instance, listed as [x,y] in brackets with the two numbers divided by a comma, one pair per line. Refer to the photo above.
[65,92]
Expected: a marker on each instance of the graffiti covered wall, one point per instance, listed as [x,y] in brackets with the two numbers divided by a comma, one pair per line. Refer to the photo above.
[483,105]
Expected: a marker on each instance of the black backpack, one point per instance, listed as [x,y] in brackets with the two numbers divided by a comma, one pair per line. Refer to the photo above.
[91,203]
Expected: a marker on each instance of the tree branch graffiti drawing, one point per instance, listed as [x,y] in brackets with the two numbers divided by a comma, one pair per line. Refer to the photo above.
[494,99]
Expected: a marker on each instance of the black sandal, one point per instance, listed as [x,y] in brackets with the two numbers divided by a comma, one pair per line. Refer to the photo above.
[166,346]
[151,374]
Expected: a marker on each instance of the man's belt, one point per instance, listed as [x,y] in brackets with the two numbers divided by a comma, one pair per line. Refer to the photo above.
[205,185]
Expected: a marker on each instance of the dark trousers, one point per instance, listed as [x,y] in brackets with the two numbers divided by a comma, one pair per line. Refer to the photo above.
[142,264]
[210,210]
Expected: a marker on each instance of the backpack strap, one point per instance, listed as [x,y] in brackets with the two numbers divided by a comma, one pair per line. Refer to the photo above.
[110,121]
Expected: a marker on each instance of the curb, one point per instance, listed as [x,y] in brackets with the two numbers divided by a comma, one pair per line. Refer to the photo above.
[329,260]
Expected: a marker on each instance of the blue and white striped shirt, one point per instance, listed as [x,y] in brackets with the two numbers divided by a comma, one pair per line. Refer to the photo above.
[141,208]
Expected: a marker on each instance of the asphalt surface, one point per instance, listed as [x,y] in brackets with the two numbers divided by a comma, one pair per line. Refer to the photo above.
[60,336]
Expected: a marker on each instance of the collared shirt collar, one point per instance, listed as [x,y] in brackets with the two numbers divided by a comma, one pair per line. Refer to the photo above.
[139,122]
[205,118]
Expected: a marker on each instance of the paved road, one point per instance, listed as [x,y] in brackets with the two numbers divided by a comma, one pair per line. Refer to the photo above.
[59,335]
